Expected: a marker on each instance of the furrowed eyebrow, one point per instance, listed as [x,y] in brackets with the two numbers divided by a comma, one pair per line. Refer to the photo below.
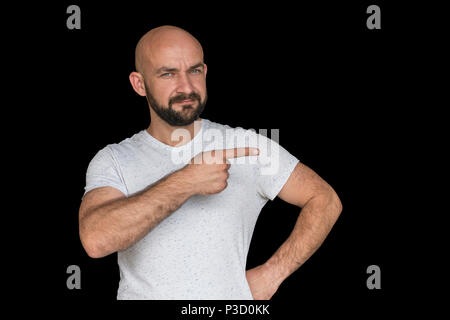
[198,65]
[166,69]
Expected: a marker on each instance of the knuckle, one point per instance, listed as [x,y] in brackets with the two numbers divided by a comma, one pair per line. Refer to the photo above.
[221,185]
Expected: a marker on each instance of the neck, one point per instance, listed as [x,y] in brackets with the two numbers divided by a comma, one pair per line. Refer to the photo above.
[162,131]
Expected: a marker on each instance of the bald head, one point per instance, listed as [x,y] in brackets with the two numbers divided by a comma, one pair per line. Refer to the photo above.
[159,41]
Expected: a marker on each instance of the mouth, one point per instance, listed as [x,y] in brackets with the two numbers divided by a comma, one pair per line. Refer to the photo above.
[185,101]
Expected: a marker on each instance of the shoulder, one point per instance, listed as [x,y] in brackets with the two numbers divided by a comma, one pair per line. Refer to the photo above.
[123,149]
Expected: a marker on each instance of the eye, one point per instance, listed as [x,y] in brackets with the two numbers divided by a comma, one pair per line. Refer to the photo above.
[196,71]
[167,75]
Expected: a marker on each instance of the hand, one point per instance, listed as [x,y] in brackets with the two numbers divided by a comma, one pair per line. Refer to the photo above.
[261,282]
[208,171]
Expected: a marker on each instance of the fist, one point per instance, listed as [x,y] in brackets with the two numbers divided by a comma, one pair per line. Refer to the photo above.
[208,171]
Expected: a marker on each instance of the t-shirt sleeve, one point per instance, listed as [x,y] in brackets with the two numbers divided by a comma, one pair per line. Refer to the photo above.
[103,170]
[275,165]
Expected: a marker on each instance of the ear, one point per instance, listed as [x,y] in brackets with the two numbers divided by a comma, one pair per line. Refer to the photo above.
[206,68]
[137,82]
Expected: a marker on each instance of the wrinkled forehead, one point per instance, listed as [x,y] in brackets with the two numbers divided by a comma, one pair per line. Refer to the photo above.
[174,55]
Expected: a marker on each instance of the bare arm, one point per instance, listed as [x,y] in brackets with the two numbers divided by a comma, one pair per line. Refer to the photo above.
[108,221]
[321,208]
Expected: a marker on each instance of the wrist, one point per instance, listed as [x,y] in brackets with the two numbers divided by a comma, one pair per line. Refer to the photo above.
[182,179]
[275,270]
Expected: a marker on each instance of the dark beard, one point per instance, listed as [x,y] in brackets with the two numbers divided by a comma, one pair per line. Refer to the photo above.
[176,118]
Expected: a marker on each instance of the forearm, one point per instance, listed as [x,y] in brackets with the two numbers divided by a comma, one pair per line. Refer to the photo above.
[312,227]
[119,224]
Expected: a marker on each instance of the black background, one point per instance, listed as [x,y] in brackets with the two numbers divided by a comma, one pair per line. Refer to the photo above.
[340,95]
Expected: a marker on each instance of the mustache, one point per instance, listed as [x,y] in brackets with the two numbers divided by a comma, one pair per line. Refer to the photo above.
[185,96]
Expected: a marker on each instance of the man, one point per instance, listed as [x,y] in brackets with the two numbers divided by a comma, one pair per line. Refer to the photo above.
[182,228]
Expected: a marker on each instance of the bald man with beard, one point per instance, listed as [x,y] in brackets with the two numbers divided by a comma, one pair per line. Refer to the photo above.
[182,230]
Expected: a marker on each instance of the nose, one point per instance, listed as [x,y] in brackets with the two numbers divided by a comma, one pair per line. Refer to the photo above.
[184,84]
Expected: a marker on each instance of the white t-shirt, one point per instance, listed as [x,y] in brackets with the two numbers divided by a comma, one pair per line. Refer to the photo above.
[200,250]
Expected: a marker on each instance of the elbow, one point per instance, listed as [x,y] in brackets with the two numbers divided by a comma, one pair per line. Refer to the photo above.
[336,203]
[94,253]
[332,202]
[92,246]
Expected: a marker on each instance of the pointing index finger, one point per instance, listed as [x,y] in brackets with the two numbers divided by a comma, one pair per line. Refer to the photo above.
[241,152]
